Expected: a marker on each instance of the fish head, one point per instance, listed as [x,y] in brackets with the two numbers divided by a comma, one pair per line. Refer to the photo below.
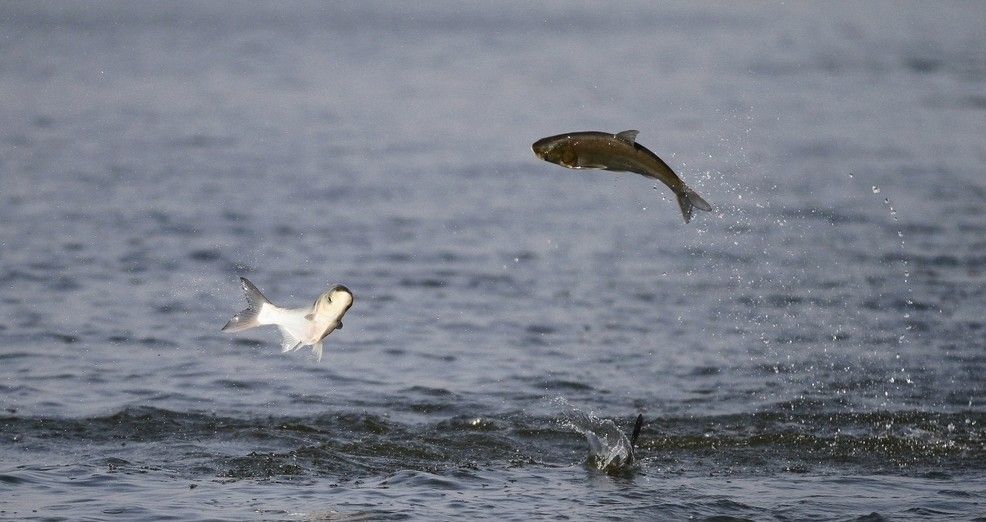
[335,301]
[555,149]
[542,148]
[341,297]
[552,148]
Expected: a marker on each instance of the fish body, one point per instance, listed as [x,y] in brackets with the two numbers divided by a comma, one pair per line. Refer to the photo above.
[618,152]
[306,326]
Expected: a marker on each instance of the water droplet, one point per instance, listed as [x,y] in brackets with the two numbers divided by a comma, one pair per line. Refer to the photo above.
[850,175]
[876,189]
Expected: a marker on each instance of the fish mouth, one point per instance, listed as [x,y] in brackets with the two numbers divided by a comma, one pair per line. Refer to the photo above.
[541,146]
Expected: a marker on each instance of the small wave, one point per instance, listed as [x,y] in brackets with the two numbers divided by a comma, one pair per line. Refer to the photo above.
[704,371]
[62,337]
[872,517]
[562,385]
[421,479]
[205,255]
[13,480]
[955,493]
[540,329]
[470,423]
[424,282]
[974,101]
[922,65]
[200,141]
[11,356]
[430,392]
[261,465]
[233,384]
[245,341]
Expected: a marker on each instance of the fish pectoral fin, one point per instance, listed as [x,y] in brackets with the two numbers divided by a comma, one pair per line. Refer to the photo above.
[629,136]
[310,316]
[317,350]
[332,327]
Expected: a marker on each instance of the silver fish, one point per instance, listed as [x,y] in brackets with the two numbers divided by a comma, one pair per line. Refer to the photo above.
[307,326]
[616,152]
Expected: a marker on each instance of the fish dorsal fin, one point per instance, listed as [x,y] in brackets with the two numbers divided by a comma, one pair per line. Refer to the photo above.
[629,136]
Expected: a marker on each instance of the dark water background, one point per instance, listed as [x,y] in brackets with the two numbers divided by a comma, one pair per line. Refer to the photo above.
[814,349]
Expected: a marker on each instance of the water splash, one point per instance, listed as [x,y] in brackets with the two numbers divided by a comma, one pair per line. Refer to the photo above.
[906,272]
[609,448]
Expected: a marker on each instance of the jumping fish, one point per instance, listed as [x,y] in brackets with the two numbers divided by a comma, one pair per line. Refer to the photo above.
[620,153]
[306,326]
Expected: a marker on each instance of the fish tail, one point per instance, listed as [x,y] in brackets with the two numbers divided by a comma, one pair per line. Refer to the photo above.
[633,438]
[247,318]
[636,430]
[689,200]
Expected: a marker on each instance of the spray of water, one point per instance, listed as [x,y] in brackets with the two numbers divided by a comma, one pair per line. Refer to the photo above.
[609,447]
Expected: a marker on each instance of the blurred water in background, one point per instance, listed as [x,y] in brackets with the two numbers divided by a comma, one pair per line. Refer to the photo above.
[813,349]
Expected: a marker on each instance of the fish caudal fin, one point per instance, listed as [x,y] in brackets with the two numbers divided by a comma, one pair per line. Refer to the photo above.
[633,438]
[247,318]
[636,430]
[688,200]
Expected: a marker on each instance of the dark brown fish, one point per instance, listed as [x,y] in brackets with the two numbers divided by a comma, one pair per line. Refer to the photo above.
[616,152]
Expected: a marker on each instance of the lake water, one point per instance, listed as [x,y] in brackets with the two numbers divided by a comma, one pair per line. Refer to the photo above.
[813,349]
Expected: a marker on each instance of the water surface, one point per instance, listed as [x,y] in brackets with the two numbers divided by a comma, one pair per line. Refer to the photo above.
[811,350]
